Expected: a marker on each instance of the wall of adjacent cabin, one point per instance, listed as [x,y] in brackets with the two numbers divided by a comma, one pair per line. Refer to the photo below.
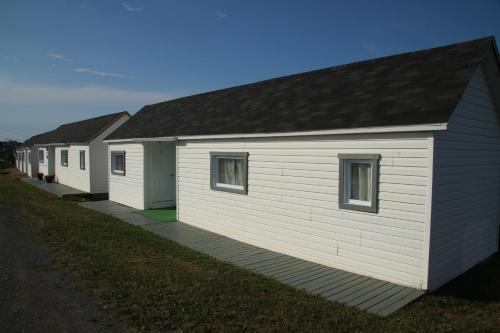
[466,196]
[128,189]
[72,175]
[29,165]
[34,161]
[292,202]
[44,167]
[99,158]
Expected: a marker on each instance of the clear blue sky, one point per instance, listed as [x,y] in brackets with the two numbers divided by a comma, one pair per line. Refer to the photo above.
[65,60]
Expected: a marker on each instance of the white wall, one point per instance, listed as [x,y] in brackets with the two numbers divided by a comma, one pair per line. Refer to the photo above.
[99,158]
[128,189]
[29,165]
[44,167]
[72,175]
[34,161]
[292,201]
[465,207]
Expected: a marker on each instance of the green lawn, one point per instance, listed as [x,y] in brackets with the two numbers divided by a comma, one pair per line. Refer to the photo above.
[164,214]
[158,285]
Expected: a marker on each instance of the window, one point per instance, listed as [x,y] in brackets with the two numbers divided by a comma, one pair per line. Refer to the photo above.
[118,163]
[64,157]
[40,156]
[358,188]
[229,172]
[82,159]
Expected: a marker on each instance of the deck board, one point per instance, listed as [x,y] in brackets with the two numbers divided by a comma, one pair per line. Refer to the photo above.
[366,293]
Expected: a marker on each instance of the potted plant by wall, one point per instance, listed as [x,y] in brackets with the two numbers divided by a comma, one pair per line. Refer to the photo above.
[40,175]
[50,178]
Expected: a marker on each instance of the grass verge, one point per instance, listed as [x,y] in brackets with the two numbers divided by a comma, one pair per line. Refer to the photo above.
[159,285]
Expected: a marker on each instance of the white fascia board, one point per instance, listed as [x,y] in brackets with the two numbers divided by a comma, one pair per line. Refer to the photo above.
[361,130]
[166,138]
[118,140]
[381,129]
[51,144]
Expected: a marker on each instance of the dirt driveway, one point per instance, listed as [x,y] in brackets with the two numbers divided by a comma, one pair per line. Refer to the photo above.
[35,296]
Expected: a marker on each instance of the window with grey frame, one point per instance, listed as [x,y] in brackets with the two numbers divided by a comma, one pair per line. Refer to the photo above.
[64,157]
[229,172]
[358,182]
[118,163]
[82,159]
[41,156]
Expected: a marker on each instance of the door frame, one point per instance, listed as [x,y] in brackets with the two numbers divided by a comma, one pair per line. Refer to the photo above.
[147,173]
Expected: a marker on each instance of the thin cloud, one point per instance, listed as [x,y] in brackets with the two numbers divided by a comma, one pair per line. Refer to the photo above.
[10,58]
[130,8]
[32,95]
[100,73]
[82,5]
[58,56]
[220,14]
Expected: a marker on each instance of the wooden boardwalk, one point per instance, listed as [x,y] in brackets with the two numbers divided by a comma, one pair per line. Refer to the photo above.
[366,293]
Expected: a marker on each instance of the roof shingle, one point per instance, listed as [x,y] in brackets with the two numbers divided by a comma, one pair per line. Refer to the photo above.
[420,87]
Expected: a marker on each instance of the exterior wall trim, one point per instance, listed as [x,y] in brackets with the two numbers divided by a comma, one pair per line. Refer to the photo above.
[380,129]
[428,228]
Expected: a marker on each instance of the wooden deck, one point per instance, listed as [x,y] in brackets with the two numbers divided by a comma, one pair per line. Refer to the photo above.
[366,293]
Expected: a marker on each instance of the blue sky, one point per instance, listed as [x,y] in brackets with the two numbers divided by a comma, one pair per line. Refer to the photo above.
[63,60]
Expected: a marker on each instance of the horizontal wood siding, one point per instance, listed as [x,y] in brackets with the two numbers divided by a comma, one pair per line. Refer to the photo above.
[465,208]
[128,189]
[292,201]
[43,167]
[72,175]
[99,158]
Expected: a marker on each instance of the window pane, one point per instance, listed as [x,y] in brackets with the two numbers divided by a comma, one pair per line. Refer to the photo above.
[117,162]
[231,171]
[361,185]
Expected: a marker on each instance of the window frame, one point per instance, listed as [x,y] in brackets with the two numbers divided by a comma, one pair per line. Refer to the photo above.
[117,172]
[82,167]
[41,160]
[214,172]
[67,157]
[345,176]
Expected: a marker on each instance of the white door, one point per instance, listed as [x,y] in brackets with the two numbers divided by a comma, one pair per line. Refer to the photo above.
[161,174]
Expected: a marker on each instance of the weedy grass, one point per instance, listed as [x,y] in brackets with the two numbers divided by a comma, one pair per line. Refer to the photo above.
[159,285]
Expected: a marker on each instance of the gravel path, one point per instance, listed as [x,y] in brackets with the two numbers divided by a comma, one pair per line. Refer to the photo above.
[34,295]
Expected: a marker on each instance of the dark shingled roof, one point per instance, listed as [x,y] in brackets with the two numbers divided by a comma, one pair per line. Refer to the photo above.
[80,132]
[412,88]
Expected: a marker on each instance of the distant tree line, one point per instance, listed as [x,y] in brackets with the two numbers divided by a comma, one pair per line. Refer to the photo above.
[7,158]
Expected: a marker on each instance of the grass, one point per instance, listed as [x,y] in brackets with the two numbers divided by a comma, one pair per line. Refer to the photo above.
[158,285]
[164,214]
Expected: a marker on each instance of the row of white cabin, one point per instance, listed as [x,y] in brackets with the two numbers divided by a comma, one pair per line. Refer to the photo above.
[432,212]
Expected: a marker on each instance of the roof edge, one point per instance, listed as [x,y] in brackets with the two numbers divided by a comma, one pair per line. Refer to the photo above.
[360,130]
[119,115]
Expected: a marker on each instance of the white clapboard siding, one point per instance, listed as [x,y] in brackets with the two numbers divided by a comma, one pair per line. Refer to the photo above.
[128,189]
[44,167]
[465,209]
[99,158]
[292,201]
[72,175]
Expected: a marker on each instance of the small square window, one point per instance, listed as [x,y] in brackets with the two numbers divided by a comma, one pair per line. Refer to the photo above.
[82,159]
[358,177]
[229,172]
[64,157]
[118,163]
